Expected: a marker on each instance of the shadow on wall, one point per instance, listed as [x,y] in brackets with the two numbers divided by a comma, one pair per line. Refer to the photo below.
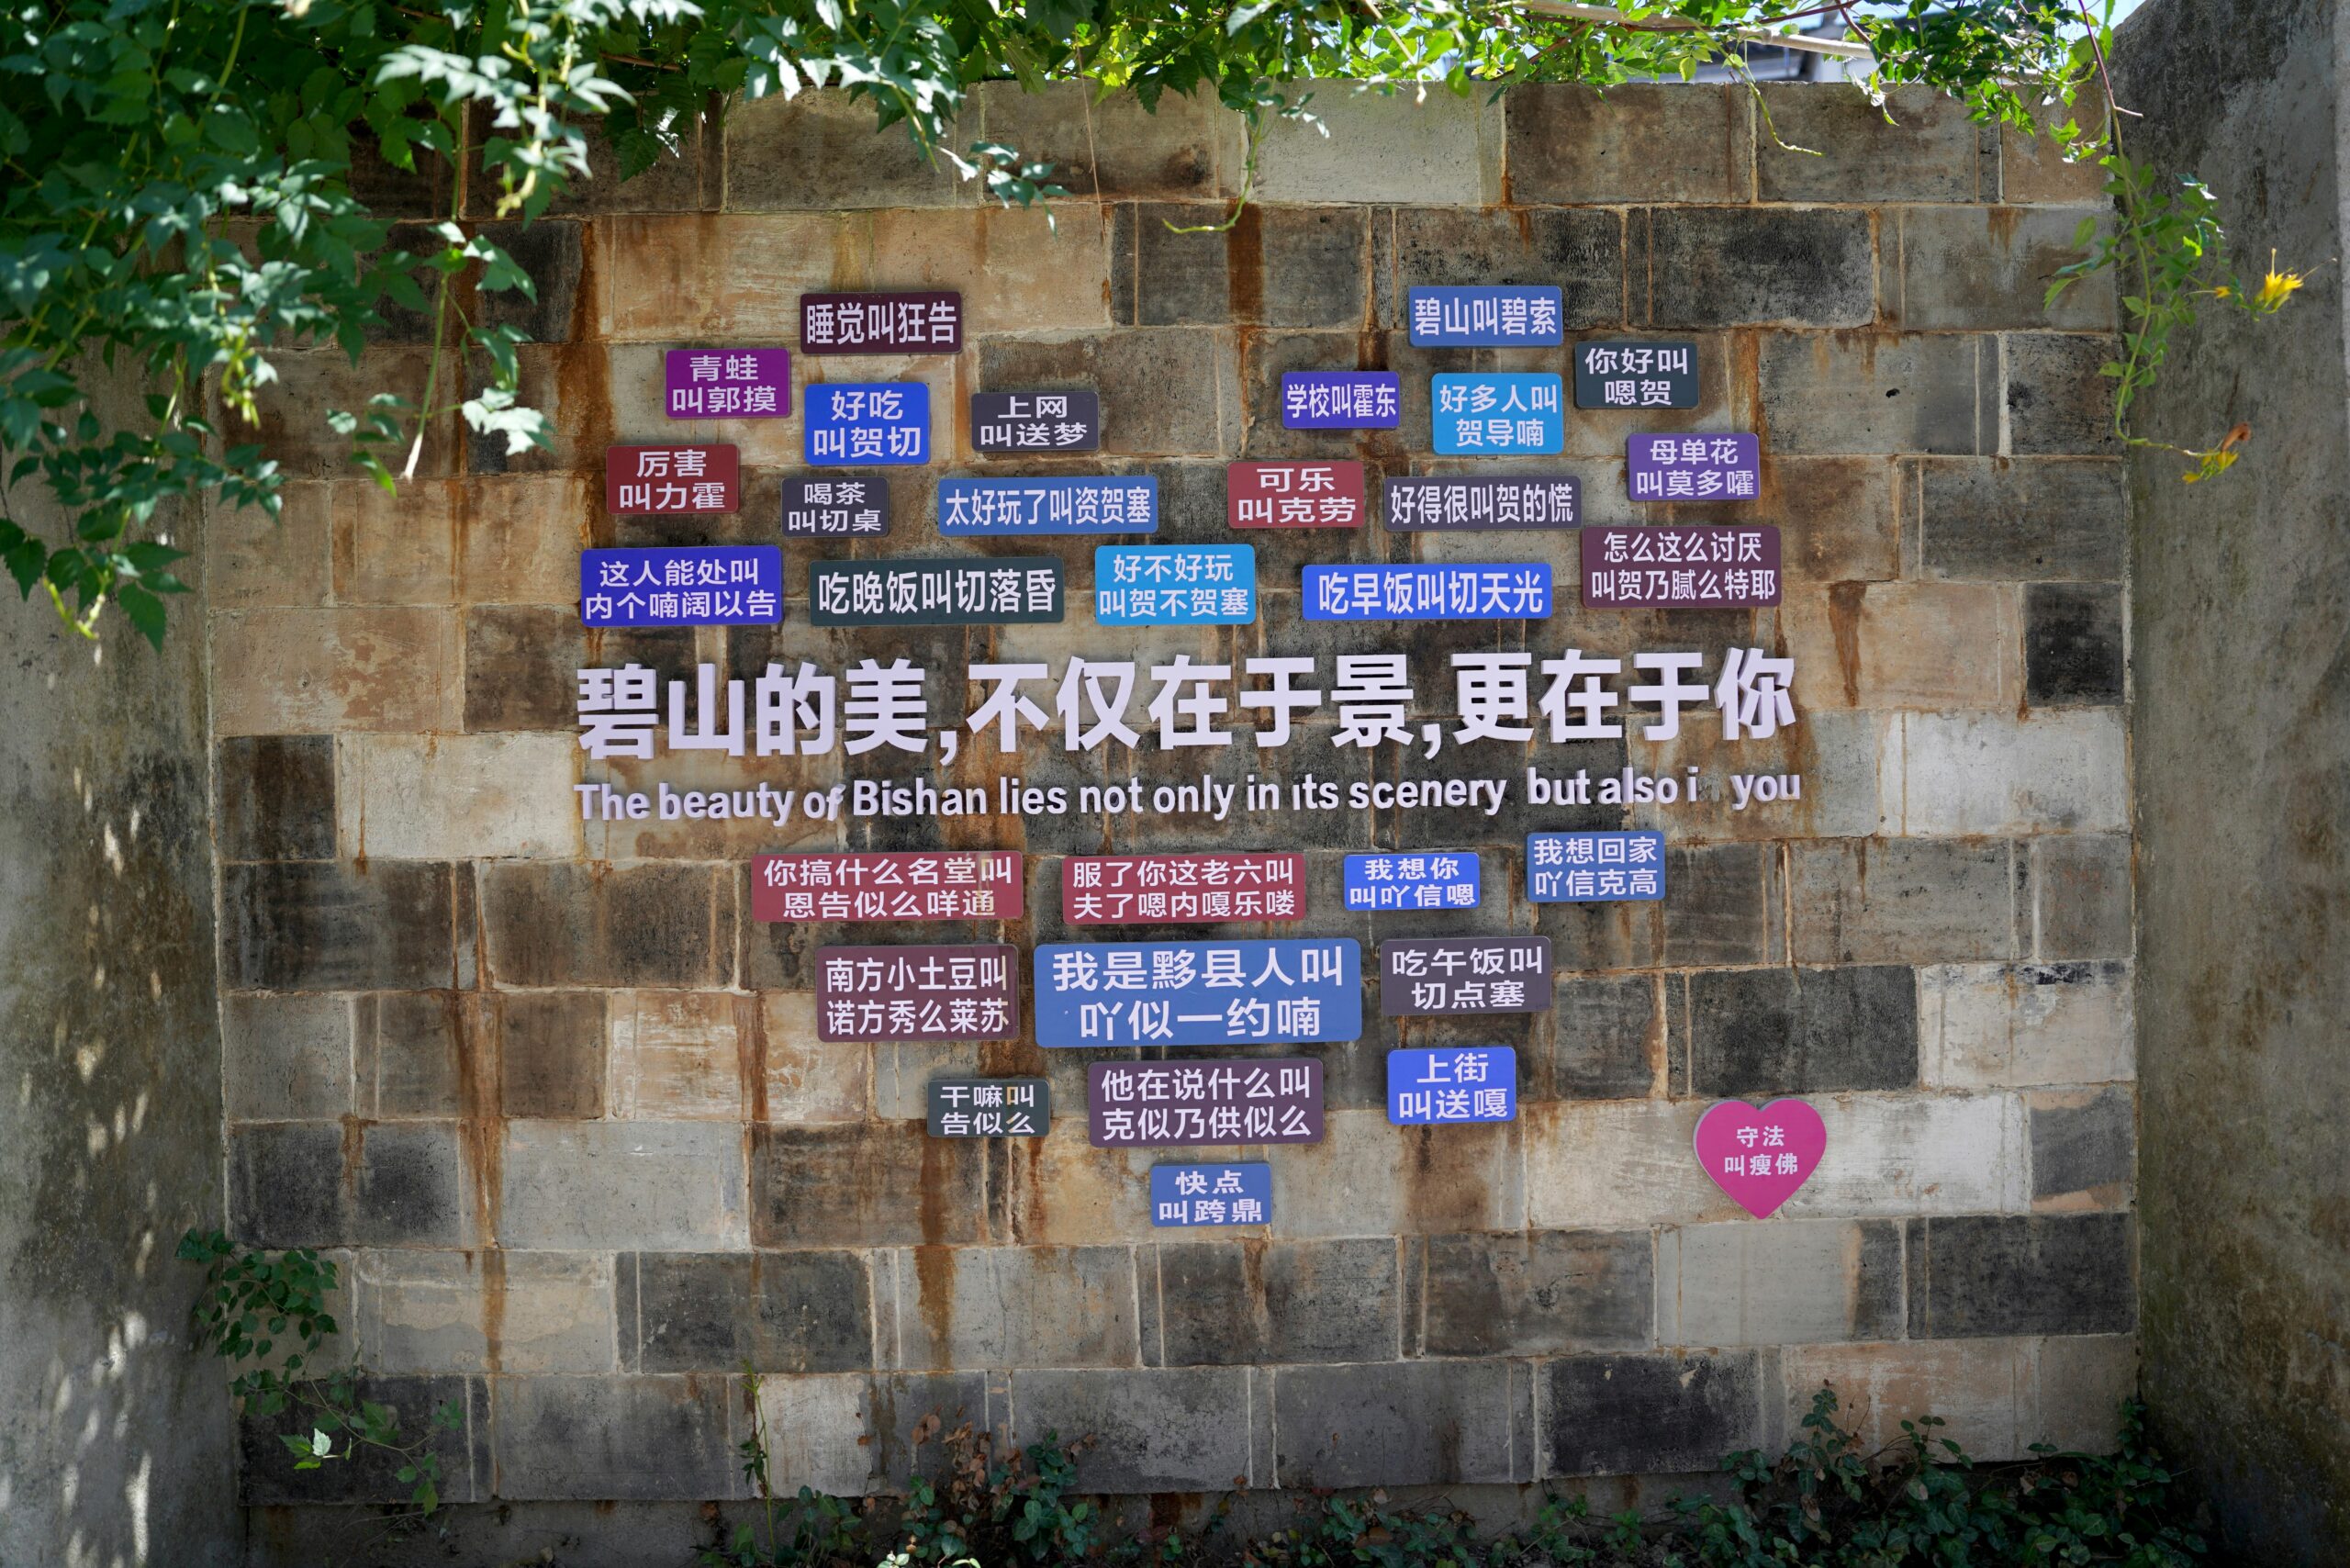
[114,1439]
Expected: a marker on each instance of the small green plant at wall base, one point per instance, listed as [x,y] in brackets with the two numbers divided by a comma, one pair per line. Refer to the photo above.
[259,1305]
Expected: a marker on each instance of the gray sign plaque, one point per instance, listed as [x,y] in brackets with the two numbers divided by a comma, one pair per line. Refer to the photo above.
[852,505]
[1464,974]
[1036,422]
[1655,374]
[990,1107]
[999,590]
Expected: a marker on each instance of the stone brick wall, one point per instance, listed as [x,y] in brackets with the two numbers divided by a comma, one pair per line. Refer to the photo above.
[556,1101]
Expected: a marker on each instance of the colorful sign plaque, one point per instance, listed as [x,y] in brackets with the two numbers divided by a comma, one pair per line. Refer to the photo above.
[1449,504]
[1187,1195]
[1282,992]
[1092,503]
[867,421]
[927,321]
[1517,412]
[1661,568]
[1454,1083]
[1296,494]
[990,1107]
[1173,1104]
[1151,889]
[1761,1155]
[1503,315]
[1341,400]
[955,991]
[1443,590]
[1636,375]
[1594,868]
[728,384]
[1000,590]
[1463,974]
[645,480]
[846,507]
[690,585]
[1696,466]
[926,884]
[1036,421]
[1419,880]
[1175,584]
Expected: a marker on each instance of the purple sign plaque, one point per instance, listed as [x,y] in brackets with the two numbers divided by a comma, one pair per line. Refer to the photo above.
[1341,400]
[728,384]
[1730,568]
[1169,1104]
[1696,466]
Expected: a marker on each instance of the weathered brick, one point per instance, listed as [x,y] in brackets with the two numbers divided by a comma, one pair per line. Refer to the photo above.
[334,926]
[310,671]
[662,1185]
[808,1081]
[285,1184]
[1154,385]
[1386,143]
[2020,1023]
[312,1184]
[2020,518]
[820,1432]
[1981,1389]
[276,795]
[1579,251]
[2061,770]
[2073,645]
[1369,1178]
[571,924]
[1879,392]
[254,561]
[284,1058]
[1990,266]
[1975,1275]
[1730,266]
[1725,906]
[1850,511]
[519,537]
[1790,1283]
[2082,1145]
[1018,269]
[2083,1380]
[1615,1163]
[395,547]
[1184,145]
[522,664]
[2032,168]
[311,382]
[773,1312]
[664,279]
[1633,1413]
[412,1052]
[1637,142]
[1172,264]
[432,1312]
[1607,1039]
[1156,1430]
[675,1056]
[1935,645]
[613,1438]
[1913,1154]
[551,1054]
[1920,146]
[1837,753]
[266,1476]
[2081,890]
[1795,1030]
[865,1184]
[1256,1303]
[458,796]
[824,151]
[1903,901]
[1419,1423]
[1529,1293]
[1279,266]
[1046,126]
[553,252]
[1013,1307]
[2059,401]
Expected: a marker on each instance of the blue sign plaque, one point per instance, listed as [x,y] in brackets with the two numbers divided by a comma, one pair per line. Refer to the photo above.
[1457,1084]
[1341,400]
[1175,584]
[1594,868]
[1419,880]
[1446,591]
[1498,415]
[1279,993]
[1212,1194]
[867,421]
[1094,503]
[1501,316]
[690,585]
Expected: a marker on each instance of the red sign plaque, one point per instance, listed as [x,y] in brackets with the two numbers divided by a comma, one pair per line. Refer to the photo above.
[1151,889]
[1296,494]
[645,479]
[945,884]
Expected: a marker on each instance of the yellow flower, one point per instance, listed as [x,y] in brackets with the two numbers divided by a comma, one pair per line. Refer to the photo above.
[2275,289]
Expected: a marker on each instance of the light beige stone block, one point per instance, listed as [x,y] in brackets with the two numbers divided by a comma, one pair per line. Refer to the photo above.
[278,672]
[483,797]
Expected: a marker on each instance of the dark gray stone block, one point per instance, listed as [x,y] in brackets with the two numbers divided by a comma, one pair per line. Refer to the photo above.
[2079,1147]
[1255,1303]
[1417,1423]
[1754,266]
[1155,1430]
[772,1311]
[333,926]
[613,1438]
[276,797]
[2072,642]
[1645,1414]
[1801,1031]
[565,924]
[1984,1274]
[1531,1293]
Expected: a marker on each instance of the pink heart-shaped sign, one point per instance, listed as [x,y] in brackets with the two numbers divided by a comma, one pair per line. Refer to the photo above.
[1760,1156]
